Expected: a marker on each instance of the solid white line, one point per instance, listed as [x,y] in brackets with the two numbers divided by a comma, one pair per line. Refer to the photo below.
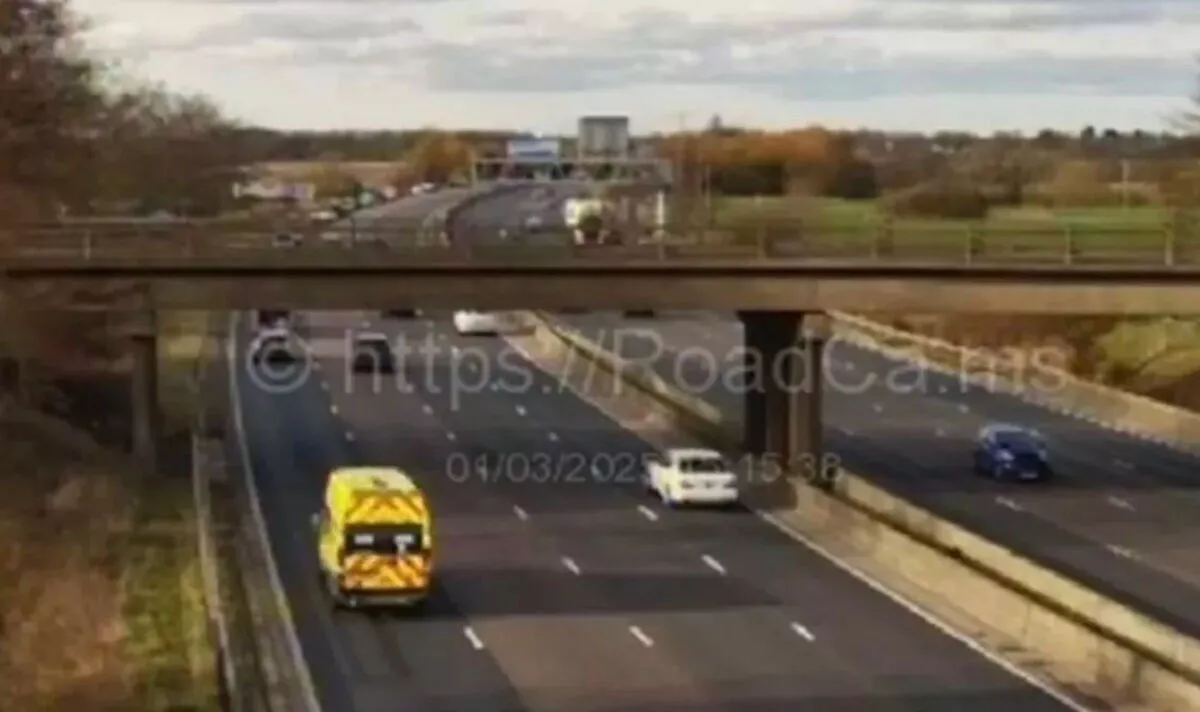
[295,650]
[648,513]
[521,513]
[641,636]
[803,632]
[1121,503]
[571,565]
[472,636]
[713,564]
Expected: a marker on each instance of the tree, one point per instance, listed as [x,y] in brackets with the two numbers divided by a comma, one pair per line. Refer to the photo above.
[439,157]
[49,94]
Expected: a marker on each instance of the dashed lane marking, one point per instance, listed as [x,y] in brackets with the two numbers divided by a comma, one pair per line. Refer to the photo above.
[648,513]
[571,565]
[1009,504]
[476,641]
[641,636]
[713,564]
[521,513]
[1120,503]
[803,632]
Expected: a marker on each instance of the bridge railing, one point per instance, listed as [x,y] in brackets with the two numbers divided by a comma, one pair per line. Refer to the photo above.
[410,240]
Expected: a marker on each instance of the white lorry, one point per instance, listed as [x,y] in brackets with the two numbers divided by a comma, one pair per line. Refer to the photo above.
[683,476]
[576,210]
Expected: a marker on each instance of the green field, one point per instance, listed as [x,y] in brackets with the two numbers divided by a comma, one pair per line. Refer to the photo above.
[846,214]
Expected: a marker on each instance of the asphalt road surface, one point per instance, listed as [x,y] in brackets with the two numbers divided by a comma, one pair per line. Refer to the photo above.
[577,592]
[1124,515]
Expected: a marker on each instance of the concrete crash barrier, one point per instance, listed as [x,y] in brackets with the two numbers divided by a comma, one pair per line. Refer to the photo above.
[1106,645]
[1114,408]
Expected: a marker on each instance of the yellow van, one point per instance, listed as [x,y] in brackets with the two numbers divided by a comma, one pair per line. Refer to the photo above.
[375,538]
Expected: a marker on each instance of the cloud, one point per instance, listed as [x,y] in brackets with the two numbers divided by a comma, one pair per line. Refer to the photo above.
[766,51]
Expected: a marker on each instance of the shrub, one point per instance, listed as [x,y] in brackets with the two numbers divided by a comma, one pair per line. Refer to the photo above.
[940,200]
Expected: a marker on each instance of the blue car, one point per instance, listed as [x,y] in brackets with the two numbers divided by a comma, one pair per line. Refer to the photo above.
[1013,454]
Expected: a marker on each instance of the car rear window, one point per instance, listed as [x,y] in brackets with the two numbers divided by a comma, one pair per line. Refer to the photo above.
[703,465]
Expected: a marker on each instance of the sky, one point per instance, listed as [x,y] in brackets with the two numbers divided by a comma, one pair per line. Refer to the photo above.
[538,65]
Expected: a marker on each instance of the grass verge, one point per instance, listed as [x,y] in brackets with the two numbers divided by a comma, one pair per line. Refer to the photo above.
[102,605]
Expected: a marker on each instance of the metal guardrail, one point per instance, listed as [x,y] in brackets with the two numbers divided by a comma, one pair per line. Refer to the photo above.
[398,242]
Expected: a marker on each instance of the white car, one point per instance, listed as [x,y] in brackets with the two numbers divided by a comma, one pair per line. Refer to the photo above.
[691,476]
[474,322]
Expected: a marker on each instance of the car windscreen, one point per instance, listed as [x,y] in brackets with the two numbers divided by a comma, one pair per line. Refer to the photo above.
[703,466]
[1017,441]
[386,539]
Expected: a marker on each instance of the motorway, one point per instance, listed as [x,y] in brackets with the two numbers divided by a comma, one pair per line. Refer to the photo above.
[572,591]
[1124,516]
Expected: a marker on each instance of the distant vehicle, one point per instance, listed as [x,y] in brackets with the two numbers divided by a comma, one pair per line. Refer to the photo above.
[373,353]
[272,318]
[275,345]
[323,216]
[683,476]
[1012,453]
[288,239]
[473,322]
[374,539]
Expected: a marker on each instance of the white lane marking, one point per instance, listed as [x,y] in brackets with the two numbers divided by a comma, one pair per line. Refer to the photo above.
[553,436]
[878,408]
[324,385]
[366,324]
[1121,551]
[641,636]
[571,565]
[1120,503]
[920,612]
[847,431]
[451,436]
[964,408]
[521,410]
[1009,504]
[472,636]
[940,432]
[521,513]
[350,436]
[1123,465]
[648,513]
[333,409]
[713,564]
[803,632]
[428,410]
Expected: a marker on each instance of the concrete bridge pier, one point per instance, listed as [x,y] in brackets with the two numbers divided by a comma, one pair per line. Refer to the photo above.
[785,375]
[143,334]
